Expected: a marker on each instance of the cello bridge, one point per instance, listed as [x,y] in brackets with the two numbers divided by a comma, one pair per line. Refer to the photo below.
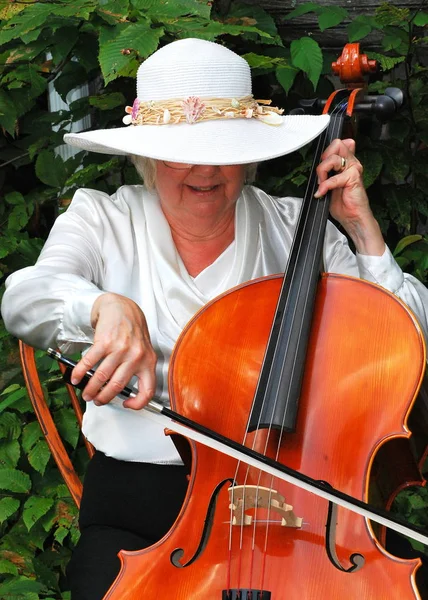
[245,497]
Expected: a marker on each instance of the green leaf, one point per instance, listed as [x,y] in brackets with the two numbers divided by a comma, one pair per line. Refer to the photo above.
[8,506]
[10,452]
[13,198]
[121,46]
[107,101]
[26,52]
[160,9]
[92,172]
[114,11]
[402,262]
[72,76]
[286,76]
[386,62]
[399,129]
[421,19]
[15,481]
[34,509]
[259,61]
[388,14]
[8,113]
[406,241]
[86,51]
[65,420]
[78,8]
[331,16]
[302,9]
[10,388]
[12,398]
[19,217]
[7,566]
[31,434]
[395,40]
[397,166]
[62,42]
[33,17]
[253,15]
[8,10]
[50,169]
[10,425]
[20,589]
[39,456]
[213,29]
[29,78]
[307,56]
[359,28]
[60,534]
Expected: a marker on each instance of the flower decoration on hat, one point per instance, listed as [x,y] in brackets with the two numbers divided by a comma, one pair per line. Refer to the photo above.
[193,109]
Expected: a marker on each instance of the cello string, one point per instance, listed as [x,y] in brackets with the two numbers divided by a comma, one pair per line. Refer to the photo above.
[320,208]
[290,274]
[311,190]
[311,187]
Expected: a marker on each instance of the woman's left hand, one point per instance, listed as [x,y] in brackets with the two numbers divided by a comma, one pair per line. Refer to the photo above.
[349,202]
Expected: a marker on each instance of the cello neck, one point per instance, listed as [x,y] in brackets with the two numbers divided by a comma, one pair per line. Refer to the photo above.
[278,390]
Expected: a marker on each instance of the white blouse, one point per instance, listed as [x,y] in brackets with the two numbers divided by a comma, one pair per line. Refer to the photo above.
[123,244]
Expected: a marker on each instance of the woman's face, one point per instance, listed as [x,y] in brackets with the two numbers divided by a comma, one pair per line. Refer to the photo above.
[198,194]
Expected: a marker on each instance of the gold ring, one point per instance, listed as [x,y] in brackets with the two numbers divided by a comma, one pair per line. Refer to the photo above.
[342,163]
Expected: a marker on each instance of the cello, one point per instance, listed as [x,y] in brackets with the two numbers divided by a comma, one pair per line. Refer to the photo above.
[319,381]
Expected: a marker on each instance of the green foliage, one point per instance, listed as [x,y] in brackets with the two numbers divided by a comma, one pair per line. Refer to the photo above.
[38,519]
[412,505]
[62,44]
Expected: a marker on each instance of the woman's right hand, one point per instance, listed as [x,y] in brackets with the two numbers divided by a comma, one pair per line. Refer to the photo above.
[122,348]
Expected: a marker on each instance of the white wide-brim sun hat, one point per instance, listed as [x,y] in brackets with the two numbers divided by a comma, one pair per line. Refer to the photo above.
[194,105]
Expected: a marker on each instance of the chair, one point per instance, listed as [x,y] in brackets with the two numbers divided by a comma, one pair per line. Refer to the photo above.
[41,409]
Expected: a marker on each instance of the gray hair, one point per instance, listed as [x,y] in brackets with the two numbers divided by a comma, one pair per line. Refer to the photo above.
[146,169]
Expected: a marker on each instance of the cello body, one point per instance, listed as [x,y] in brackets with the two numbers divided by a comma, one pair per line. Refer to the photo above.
[364,365]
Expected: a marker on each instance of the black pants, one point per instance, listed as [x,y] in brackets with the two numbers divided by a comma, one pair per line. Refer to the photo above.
[125,506]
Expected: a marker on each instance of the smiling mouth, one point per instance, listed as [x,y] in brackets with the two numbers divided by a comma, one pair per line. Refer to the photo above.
[206,188]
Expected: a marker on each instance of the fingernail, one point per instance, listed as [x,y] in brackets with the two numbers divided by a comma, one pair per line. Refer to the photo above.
[74,381]
[317,194]
[86,398]
[97,403]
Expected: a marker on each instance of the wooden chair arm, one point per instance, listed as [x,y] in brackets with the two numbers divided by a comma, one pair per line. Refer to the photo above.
[47,424]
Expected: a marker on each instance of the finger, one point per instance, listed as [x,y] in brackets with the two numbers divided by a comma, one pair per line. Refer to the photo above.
[335,147]
[345,148]
[86,363]
[339,181]
[331,163]
[350,145]
[120,377]
[146,391]
[102,377]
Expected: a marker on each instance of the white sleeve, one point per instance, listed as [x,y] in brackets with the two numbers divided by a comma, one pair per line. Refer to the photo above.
[50,303]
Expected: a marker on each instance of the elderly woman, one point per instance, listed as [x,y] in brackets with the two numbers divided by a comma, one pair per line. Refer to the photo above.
[120,276]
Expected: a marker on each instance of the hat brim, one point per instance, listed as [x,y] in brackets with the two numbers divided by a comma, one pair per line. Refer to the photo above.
[217,142]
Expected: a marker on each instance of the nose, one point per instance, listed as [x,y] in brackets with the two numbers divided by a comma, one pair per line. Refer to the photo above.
[205,170]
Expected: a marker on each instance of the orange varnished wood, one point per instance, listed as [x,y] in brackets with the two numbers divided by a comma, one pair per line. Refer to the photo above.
[352,67]
[47,424]
[365,363]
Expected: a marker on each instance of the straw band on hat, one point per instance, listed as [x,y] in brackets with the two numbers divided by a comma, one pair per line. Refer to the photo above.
[194,105]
